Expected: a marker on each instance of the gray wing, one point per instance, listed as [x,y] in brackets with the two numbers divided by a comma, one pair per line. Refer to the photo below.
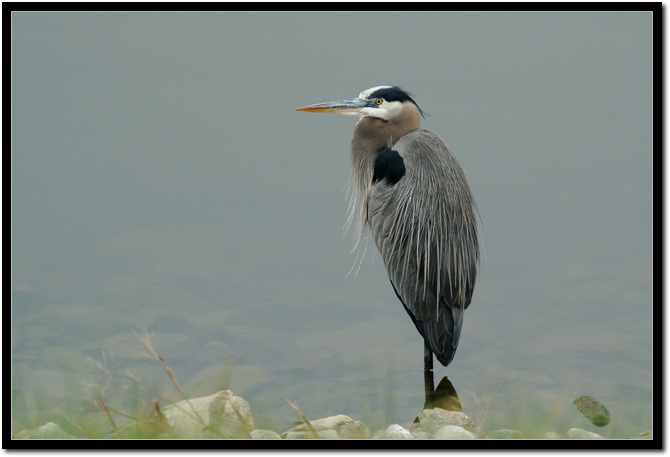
[423,222]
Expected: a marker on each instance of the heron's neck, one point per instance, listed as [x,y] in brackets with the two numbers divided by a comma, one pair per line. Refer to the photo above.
[374,134]
[371,135]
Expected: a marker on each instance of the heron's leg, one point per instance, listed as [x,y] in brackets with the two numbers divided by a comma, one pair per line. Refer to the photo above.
[427,357]
[429,383]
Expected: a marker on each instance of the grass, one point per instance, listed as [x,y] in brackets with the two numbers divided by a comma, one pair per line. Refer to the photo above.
[125,405]
[122,404]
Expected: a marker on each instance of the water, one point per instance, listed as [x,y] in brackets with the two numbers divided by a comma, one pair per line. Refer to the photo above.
[162,180]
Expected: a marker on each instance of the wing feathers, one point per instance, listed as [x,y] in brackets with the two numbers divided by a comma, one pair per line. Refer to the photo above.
[423,222]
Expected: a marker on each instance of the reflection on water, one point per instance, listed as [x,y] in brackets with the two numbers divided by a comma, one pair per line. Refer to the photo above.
[444,396]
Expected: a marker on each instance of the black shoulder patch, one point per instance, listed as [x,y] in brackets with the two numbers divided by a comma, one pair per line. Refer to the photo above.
[388,165]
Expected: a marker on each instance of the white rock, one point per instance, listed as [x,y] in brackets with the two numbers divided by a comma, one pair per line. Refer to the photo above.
[579,434]
[552,436]
[453,432]
[434,419]
[260,434]
[394,432]
[48,431]
[222,415]
[344,426]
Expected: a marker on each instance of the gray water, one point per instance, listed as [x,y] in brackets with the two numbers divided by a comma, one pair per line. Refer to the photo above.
[161,179]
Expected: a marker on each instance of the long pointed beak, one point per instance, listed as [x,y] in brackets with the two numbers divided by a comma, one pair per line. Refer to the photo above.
[352,107]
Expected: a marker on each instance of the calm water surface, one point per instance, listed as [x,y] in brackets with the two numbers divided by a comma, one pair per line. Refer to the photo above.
[162,180]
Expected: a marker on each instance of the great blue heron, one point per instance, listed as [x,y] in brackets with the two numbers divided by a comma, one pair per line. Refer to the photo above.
[408,188]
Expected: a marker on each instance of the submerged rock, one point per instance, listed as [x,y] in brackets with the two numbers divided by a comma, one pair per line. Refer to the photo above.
[505,434]
[593,410]
[308,435]
[344,427]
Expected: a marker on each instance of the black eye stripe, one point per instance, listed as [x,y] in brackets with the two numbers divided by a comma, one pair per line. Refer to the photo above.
[391,94]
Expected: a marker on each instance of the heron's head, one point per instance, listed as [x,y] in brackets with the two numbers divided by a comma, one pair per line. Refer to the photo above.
[383,102]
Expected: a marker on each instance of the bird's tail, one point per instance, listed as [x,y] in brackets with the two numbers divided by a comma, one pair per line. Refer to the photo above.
[446,333]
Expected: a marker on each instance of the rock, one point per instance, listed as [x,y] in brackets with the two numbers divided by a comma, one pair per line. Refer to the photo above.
[593,410]
[421,435]
[344,426]
[453,432]
[48,431]
[579,434]
[505,434]
[646,436]
[552,436]
[308,435]
[260,434]
[434,419]
[222,415]
[393,432]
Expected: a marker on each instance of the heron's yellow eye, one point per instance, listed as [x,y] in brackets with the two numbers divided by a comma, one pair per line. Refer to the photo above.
[379,101]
